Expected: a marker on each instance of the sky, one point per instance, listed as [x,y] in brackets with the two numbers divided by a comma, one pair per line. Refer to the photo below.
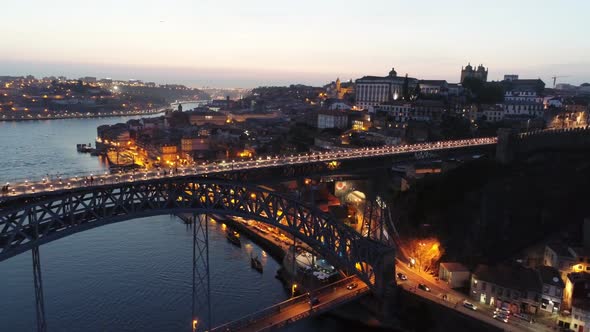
[238,43]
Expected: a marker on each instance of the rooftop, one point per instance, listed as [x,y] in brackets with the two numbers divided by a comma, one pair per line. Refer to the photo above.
[454,267]
[510,276]
[550,276]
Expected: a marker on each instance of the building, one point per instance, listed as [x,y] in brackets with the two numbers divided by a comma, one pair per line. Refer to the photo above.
[339,105]
[420,110]
[514,287]
[375,90]
[480,73]
[200,118]
[434,87]
[340,90]
[510,77]
[190,144]
[456,275]
[492,113]
[559,257]
[580,316]
[332,119]
[553,286]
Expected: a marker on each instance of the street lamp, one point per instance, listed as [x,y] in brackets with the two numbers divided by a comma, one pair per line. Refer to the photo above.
[195,322]
[293,290]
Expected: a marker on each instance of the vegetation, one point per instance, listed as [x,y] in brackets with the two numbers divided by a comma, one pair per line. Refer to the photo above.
[486,212]
[484,92]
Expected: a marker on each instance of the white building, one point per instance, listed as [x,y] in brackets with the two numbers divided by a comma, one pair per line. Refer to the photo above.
[332,119]
[375,90]
[493,113]
[434,87]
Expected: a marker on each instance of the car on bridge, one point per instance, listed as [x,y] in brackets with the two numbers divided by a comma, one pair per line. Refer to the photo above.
[352,286]
[402,276]
[314,301]
[424,287]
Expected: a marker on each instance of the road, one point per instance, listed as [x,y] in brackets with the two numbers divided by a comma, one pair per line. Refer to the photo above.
[32,187]
[280,315]
[455,301]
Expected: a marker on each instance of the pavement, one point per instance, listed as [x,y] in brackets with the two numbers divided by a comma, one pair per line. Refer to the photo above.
[455,301]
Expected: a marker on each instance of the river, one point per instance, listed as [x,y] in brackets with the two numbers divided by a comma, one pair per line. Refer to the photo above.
[130,276]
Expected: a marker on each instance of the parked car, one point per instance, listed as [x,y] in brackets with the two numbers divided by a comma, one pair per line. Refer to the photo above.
[501,317]
[424,287]
[401,276]
[469,305]
[352,286]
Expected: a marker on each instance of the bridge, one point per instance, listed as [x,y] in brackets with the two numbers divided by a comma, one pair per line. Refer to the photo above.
[27,223]
[36,212]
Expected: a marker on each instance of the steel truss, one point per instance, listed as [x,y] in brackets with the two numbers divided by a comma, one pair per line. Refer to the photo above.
[201,294]
[39,299]
[26,224]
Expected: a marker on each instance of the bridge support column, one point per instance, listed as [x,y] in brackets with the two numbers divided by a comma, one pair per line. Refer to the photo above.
[384,272]
[201,294]
[39,299]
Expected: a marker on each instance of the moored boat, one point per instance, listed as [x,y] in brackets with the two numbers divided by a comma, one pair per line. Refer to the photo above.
[256,264]
[233,237]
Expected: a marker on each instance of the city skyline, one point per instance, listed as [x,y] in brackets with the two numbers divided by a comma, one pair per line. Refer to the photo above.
[226,44]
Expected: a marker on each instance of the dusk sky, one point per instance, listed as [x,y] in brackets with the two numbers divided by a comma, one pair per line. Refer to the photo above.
[237,43]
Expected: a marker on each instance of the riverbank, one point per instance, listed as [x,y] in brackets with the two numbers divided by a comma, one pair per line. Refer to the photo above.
[29,117]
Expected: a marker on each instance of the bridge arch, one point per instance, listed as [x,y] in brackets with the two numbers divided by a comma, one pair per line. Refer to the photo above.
[28,223]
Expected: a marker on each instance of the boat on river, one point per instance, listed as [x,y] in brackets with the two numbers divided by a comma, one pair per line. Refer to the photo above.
[233,237]
[256,264]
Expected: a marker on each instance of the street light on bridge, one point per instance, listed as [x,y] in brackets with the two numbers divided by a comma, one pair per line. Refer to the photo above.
[293,290]
[195,322]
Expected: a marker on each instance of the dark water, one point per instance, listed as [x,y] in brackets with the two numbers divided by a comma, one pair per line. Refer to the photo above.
[130,276]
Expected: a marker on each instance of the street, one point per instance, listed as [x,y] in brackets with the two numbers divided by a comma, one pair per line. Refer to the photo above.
[455,300]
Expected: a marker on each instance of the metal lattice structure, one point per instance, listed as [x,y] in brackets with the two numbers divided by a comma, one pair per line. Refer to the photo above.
[39,299]
[201,296]
[30,223]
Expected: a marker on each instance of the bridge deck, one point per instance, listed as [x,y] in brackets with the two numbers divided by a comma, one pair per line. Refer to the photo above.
[36,187]
[298,308]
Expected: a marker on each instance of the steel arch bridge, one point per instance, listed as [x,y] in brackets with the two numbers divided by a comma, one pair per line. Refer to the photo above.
[29,223]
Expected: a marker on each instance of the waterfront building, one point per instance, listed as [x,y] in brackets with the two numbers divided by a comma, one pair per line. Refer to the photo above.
[480,73]
[376,90]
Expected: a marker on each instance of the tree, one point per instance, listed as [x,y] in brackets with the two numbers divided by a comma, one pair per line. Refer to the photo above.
[406,89]
[426,252]
[417,91]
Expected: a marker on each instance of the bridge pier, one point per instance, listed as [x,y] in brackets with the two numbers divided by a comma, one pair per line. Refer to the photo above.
[384,272]
[201,291]
[39,299]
